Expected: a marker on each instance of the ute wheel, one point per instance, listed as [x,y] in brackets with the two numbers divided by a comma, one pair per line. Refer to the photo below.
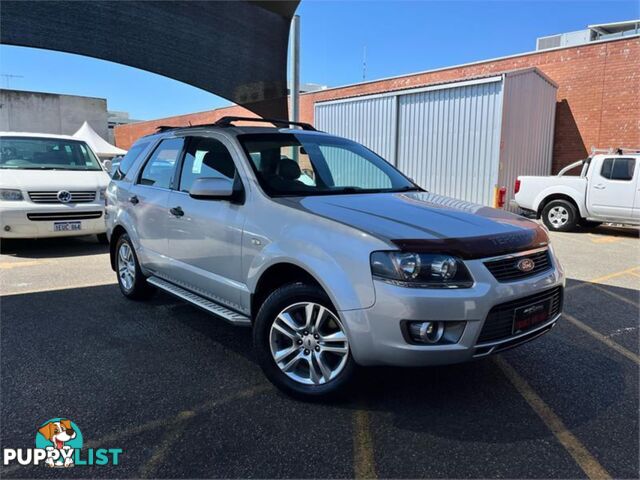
[131,281]
[560,215]
[102,238]
[301,343]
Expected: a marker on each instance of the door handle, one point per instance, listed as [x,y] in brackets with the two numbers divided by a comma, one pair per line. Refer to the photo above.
[599,187]
[177,211]
[134,200]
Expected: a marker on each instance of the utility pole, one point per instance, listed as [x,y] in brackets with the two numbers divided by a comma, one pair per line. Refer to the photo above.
[7,78]
[295,69]
[364,63]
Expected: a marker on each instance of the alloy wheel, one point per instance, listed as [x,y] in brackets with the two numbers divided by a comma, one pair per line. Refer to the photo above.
[308,343]
[558,216]
[126,266]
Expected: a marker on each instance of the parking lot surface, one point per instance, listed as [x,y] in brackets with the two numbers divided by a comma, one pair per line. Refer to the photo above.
[179,392]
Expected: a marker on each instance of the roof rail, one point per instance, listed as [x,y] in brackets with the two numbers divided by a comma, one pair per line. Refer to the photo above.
[164,128]
[615,151]
[227,122]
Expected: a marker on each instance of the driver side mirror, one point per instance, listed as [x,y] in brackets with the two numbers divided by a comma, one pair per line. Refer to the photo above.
[210,188]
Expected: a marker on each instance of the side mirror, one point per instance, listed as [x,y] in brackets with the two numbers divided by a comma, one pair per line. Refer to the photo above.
[108,165]
[209,188]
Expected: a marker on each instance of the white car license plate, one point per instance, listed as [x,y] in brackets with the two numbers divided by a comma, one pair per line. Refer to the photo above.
[66,226]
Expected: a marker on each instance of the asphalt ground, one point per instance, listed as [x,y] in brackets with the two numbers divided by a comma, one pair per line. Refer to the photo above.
[180,393]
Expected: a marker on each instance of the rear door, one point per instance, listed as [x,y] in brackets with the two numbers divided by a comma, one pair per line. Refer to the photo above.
[612,188]
[205,236]
[148,202]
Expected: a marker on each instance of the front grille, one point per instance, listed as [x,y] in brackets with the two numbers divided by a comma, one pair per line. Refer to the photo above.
[499,322]
[506,270]
[47,217]
[77,196]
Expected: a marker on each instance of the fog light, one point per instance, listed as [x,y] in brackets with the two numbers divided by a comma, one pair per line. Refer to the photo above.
[7,228]
[426,332]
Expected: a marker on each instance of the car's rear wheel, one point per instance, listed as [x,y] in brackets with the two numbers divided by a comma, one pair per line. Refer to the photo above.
[560,215]
[131,281]
[301,343]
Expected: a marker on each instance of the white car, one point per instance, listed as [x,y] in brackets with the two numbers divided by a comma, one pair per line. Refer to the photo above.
[50,186]
[607,190]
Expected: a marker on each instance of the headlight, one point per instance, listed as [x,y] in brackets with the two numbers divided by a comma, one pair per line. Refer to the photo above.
[427,270]
[10,195]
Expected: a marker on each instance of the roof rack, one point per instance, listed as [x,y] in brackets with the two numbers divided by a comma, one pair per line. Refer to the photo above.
[615,151]
[227,122]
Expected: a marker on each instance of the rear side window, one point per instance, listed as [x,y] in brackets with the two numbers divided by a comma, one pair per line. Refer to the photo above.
[128,159]
[618,168]
[158,171]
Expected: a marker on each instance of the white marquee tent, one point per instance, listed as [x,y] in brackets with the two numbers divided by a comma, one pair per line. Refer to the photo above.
[99,145]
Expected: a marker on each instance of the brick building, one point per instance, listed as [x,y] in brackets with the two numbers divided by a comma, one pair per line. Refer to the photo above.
[598,102]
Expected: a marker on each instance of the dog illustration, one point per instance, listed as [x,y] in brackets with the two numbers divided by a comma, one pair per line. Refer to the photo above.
[58,433]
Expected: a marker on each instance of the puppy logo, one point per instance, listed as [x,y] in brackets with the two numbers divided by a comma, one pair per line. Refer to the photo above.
[60,437]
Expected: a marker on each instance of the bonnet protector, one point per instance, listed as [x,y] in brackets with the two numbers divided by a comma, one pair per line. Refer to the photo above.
[484,246]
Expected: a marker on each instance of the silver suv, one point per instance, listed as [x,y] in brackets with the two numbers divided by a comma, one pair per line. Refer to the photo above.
[330,254]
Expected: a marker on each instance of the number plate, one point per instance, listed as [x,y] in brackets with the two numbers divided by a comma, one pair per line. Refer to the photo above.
[525,318]
[66,226]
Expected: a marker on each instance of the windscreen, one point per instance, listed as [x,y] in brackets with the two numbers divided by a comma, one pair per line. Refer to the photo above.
[304,164]
[32,153]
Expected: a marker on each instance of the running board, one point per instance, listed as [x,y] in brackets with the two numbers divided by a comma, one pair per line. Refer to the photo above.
[229,315]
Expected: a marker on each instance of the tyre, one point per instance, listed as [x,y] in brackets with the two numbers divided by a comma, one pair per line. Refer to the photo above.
[301,343]
[131,281]
[102,238]
[560,215]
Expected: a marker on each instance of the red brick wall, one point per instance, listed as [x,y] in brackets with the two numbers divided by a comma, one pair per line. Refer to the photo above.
[598,101]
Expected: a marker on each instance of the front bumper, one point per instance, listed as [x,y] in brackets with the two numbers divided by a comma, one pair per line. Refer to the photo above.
[375,334]
[15,221]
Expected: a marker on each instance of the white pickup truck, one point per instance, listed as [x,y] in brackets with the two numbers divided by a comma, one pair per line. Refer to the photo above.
[607,190]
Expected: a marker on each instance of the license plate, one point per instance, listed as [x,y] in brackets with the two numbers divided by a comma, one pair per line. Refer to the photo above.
[527,317]
[66,226]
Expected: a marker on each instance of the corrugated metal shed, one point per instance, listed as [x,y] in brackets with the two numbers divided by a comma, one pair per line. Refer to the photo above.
[459,139]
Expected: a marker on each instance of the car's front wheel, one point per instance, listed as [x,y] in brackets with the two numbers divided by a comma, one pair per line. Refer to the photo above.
[301,343]
[131,281]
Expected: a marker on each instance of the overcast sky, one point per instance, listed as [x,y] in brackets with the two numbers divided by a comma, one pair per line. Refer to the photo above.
[400,37]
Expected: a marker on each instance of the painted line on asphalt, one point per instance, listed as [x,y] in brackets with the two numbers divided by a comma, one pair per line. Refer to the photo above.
[57,289]
[26,263]
[363,458]
[171,435]
[635,274]
[587,462]
[628,271]
[598,336]
[114,438]
[616,295]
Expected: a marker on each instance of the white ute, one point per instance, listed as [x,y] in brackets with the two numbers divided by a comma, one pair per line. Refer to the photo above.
[607,190]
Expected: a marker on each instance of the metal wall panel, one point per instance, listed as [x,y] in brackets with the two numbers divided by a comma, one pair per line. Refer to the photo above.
[369,121]
[449,140]
[527,128]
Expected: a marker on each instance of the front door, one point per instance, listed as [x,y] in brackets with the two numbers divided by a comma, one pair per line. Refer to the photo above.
[205,235]
[612,188]
[148,200]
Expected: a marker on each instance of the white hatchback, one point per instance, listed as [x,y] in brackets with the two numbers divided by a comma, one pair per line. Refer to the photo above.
[50,186]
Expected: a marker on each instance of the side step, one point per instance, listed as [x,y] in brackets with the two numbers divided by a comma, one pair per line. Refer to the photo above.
[229,315]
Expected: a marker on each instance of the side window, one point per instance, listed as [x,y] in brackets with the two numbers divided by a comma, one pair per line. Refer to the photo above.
[607,166]
[126,162]
[618,168]
[205,158]
[159,169]
[623,169]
